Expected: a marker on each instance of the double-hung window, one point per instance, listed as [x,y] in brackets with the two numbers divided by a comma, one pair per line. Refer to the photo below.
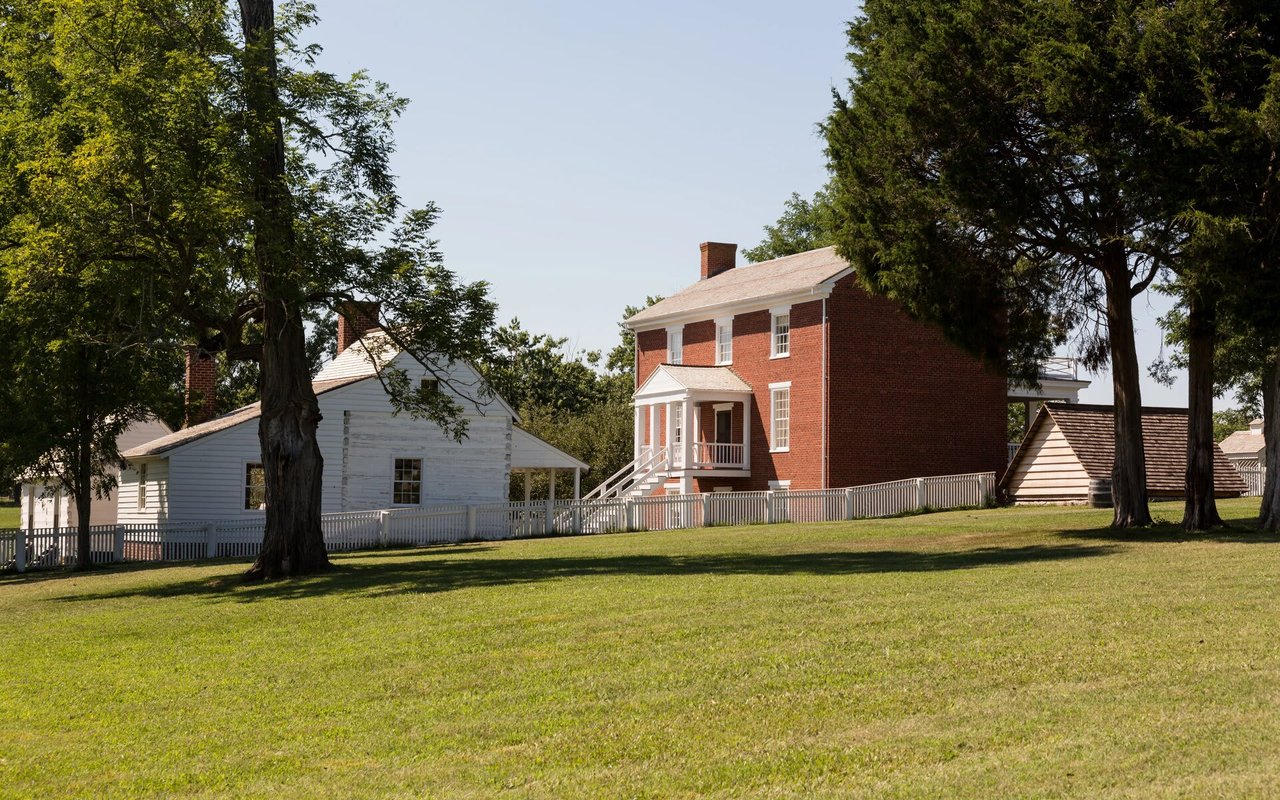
[255,487]
[781,333]
[406,482]
[780,416]
[675,345]
[724,341]
[142,486]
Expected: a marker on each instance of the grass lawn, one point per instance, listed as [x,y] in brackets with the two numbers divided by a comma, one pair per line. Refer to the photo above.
[1010,652]
[9,514]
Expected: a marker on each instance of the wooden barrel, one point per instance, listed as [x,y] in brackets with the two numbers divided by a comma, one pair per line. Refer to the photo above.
[1100,493]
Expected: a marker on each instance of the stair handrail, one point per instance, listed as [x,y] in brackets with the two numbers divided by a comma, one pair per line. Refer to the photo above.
[642,466]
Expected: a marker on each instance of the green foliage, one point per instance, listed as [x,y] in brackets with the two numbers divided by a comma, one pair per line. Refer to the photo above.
[568,399]
[1017,422]
[1231,420]
[804,225]
[89,91]
[993,167]
[1024,652]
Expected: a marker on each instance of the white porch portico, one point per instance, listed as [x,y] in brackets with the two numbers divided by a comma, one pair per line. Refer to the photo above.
[690,422]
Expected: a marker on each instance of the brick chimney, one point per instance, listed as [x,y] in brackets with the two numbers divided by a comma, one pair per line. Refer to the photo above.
[717,257]
[355,319]
[200,401]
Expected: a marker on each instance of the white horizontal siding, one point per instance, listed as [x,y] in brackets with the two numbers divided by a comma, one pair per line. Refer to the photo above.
[357,428]
[157,510]
[1048,469]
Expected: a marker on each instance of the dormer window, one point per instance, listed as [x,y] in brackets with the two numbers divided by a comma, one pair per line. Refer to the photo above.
[724,341]
[675,345]
[781,337]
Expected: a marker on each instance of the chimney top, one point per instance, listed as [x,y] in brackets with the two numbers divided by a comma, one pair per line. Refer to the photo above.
[355,319]
[717,257]
[200,403]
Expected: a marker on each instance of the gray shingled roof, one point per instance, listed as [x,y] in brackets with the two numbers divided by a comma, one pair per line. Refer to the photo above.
[777,278]
[177,439]
[1090,430]
[707,379]
[1242,443]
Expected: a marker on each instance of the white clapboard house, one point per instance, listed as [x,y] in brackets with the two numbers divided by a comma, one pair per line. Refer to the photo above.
[44,507]
[373,458]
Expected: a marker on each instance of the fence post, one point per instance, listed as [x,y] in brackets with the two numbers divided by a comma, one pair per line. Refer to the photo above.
[20,550]
[211,540]
[921,494]
[549,521]
[472,513]
[384,528]
[769,507]
[629,513]
[576,519]
[848,504]
[707,519]
[118,548]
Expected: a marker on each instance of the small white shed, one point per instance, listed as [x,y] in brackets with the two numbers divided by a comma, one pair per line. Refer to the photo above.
[42,507]
[1071,444]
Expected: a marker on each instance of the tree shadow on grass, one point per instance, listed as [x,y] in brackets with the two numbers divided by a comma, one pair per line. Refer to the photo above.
[1238,530]
[443,572]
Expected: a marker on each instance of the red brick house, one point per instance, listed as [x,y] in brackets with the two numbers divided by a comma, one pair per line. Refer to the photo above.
[787,374]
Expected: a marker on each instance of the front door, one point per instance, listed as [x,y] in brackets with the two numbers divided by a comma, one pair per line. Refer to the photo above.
[724,426]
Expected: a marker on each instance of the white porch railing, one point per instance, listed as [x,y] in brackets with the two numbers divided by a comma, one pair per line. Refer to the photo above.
[184,541]
[715,455]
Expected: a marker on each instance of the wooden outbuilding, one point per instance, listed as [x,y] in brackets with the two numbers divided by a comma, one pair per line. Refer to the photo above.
[1070,445]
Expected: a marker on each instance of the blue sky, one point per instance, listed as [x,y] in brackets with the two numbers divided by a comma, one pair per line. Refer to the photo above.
[581,150]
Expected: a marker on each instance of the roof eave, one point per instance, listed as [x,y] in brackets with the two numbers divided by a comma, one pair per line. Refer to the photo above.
[819,291]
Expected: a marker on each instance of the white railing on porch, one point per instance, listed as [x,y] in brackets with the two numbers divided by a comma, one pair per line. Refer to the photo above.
[170,541]
[715,455]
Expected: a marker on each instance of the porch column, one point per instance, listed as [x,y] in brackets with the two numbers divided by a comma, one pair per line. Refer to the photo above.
[746,432]
[577,476]
[696,435]
[528,484]
[686,425]
[670,439]
[551,484]
[653,427]
[639,430]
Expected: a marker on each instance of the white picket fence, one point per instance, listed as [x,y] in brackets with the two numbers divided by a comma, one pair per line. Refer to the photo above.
[1254,478]
[177,541]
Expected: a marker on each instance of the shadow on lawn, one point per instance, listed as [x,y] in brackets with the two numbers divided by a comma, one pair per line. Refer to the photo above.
[1238,530]
[441,572]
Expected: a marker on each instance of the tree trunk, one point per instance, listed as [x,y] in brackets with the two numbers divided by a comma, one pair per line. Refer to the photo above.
[82,493]
[1201,512]
[81,472]
[293,543]
[1129,473]
[1269,515]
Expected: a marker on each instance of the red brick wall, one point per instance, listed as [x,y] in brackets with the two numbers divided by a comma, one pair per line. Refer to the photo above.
[903,401]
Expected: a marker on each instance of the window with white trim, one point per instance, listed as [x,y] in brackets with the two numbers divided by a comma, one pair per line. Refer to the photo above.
[781,335]
[678,411]
[142,486]
[255,487]
[675,345]
[406,482]
[724,341]
[780,418]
